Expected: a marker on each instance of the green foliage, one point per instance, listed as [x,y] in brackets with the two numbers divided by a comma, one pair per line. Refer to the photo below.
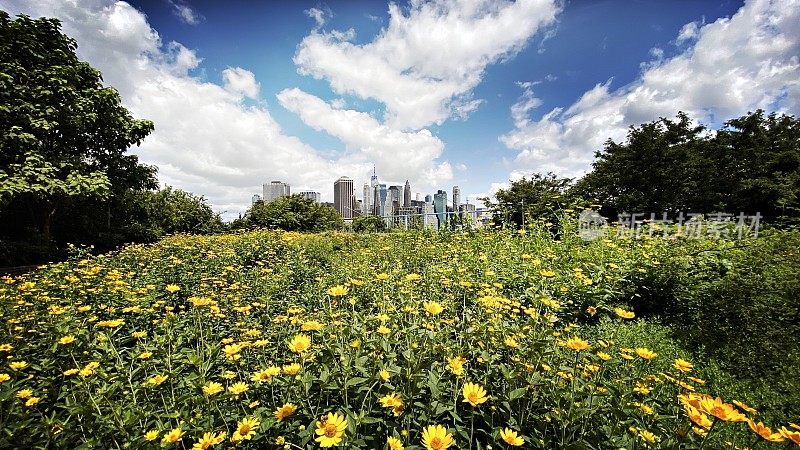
[541,197]
[63,135]
[170,211]
[368,224]
[751,165]
[293,213]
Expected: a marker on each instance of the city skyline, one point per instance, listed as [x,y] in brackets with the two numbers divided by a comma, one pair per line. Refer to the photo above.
[463,93]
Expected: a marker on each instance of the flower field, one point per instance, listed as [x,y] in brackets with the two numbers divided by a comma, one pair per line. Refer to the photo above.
[400,340]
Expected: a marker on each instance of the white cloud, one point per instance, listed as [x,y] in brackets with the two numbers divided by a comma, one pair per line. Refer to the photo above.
[735,65]
[319,15]
[206,140]
[425,63]
[398,155]
[185,12]
[241,81]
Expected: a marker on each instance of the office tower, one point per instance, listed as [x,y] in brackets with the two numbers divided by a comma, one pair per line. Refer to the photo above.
[311,195]
[456,198]
[380,200]
[343,197]
[395,198]
[428,198]
[440,206]
[366,204]
[407,195]
[359,207]
[373,180]
[256,198]
[428,216]
[275,190]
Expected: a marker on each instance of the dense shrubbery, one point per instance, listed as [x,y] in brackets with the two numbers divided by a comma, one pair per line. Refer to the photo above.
[291,213]
[205,339]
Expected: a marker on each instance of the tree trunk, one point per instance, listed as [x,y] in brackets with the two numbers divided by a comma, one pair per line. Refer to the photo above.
[47,221]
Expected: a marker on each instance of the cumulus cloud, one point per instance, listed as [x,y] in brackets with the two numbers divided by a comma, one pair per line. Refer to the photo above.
[185,12]
[735,65]
[424,65]
[206,139]
[397,154]
[241,81]
[319,15]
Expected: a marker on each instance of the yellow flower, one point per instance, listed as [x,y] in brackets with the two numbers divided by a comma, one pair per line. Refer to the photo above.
[32,401]
[172,288]
[292,369]
[411,278]
[474,394]
[384,375]
[765,432]
[793,436]
[285,411]
[312,325]
[24,393]
[66,340]
[456,365]
[384,330]
[246,429]
[624,314]
[208,440]
[157,380]
[300,343]
[698,418]
[4,377]
[645,353]
[576,343]
[646,409]
[338,291]
[6,347]
[266,374]
[511,342]
[741,405]
[151,435]
[604,356]
[511,438]
[229,375]
[382,276]
[547,273]
[232,351]
[436,437]
[649,437]
[717,408]
[174,435]
[71,372]
[433,308]
[392,400]
[591,310]
[145,355]
[17,365]
[237,389]
[331,429]
[212,388]
[393,442]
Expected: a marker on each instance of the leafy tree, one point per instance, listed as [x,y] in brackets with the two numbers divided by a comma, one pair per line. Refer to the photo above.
[534,198]
[63,135]
[751,165]
[294,213]
[369,224]
[152,214]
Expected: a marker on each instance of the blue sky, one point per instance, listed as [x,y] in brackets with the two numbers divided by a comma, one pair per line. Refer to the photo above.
[470,93]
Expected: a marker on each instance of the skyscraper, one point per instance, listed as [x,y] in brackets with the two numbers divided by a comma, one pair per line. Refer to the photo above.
[395,198]
[275,190]
[380,201]
[407,195]
[456,198]
[373,180]
[311,195]
[440,206]
[343,197]
[366,204]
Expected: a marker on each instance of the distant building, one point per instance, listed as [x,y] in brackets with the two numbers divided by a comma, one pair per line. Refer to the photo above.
[275,190]
[407,195]
[257,198]
[380,201]
[429,219]
[428,198]
[456,198]
[311,195]
[343,197]
[358,208]
[366,204]
[395,198]
[468,208]
[440,206]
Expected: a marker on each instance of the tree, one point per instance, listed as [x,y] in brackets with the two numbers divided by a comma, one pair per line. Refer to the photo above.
[538,197]
[63,135]
[369,224]
[750,165]
[294,213]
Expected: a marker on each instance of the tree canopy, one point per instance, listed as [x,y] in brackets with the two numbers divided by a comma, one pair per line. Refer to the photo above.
[537,197]
[293,213]
[63,135]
